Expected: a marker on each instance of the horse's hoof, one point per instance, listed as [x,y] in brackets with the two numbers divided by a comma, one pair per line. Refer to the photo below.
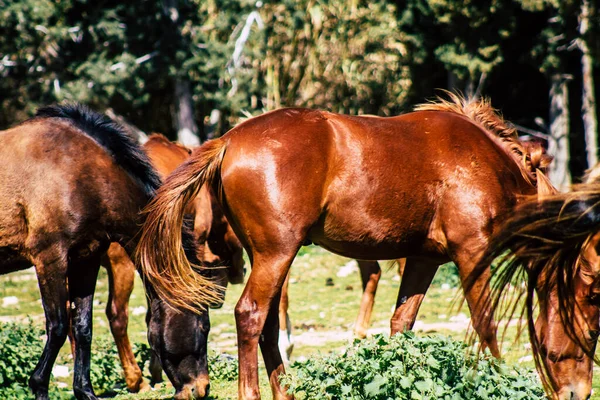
[360,333]
[85,396]
[145,386]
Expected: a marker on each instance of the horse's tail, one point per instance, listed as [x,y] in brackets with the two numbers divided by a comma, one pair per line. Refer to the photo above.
[126,152]
[160,252]
[543,244]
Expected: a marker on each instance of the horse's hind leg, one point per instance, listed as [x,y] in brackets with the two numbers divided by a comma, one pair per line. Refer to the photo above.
[82,284]
[121,274]
[285,330]
[256,315]
[51,269]
[370,273]
[418,274]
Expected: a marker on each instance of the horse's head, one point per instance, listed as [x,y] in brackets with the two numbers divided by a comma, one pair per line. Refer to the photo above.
[566,352]
[180,339]
[554,243]
[536,156]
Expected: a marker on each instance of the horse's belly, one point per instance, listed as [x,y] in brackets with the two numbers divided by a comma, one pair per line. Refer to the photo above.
[363,237]
[11,261]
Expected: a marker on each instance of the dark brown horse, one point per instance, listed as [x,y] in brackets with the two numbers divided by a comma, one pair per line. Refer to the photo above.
[71,183]
[430,186]
[554,247]
[209,225]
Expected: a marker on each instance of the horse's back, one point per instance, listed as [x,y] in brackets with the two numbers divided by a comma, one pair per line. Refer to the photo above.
[352,183]
[58,185]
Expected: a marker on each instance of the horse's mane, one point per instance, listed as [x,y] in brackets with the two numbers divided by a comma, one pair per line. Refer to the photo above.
[528,157]
[126,152]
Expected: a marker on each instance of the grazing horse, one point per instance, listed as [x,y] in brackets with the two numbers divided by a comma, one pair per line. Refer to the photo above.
[553,245]
[209,225]
[71,183]
[430,186]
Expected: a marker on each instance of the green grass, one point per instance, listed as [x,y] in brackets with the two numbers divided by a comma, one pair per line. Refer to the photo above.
[315,309]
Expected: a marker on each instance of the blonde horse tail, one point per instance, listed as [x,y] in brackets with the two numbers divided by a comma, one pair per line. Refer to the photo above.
[160,252]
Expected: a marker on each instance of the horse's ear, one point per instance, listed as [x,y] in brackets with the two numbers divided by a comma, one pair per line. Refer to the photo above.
[544,186]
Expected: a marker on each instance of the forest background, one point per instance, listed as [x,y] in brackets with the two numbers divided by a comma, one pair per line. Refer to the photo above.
[192,69]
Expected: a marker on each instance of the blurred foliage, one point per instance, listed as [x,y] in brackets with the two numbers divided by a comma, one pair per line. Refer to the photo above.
[357,56]
[341,56]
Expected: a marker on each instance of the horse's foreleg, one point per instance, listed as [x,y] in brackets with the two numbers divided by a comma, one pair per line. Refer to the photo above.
[370,273]
[482,317]
[82,284]
[51,271]
[477,296]
[121,275]
[418,274]
[256,315]
[285,330]
[155,367]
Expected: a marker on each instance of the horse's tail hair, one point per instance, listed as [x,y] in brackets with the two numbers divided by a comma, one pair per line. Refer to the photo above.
[542,244]
[160,252]
[111,136]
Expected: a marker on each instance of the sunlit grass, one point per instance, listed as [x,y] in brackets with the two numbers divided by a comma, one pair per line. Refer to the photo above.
[325,312]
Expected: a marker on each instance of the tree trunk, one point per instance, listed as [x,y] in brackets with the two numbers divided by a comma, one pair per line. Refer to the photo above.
[185,124]
[558,143]
[183,104]
[588,108]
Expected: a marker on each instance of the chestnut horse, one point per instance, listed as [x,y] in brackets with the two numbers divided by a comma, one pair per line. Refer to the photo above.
[71,183]
[554,246]
[209,226]
[430,186]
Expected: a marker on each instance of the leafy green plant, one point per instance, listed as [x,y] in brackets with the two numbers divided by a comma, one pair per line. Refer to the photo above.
[142,353]
[105,370]
[21,346]
[223,367]
[407,366]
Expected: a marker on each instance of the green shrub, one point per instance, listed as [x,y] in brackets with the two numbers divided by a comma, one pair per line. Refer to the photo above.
[106,372]
[20,349]
[222,367]
[142,353]
[21,346]
[406,366]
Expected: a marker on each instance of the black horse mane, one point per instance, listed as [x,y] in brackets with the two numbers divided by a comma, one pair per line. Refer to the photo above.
[126,152]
